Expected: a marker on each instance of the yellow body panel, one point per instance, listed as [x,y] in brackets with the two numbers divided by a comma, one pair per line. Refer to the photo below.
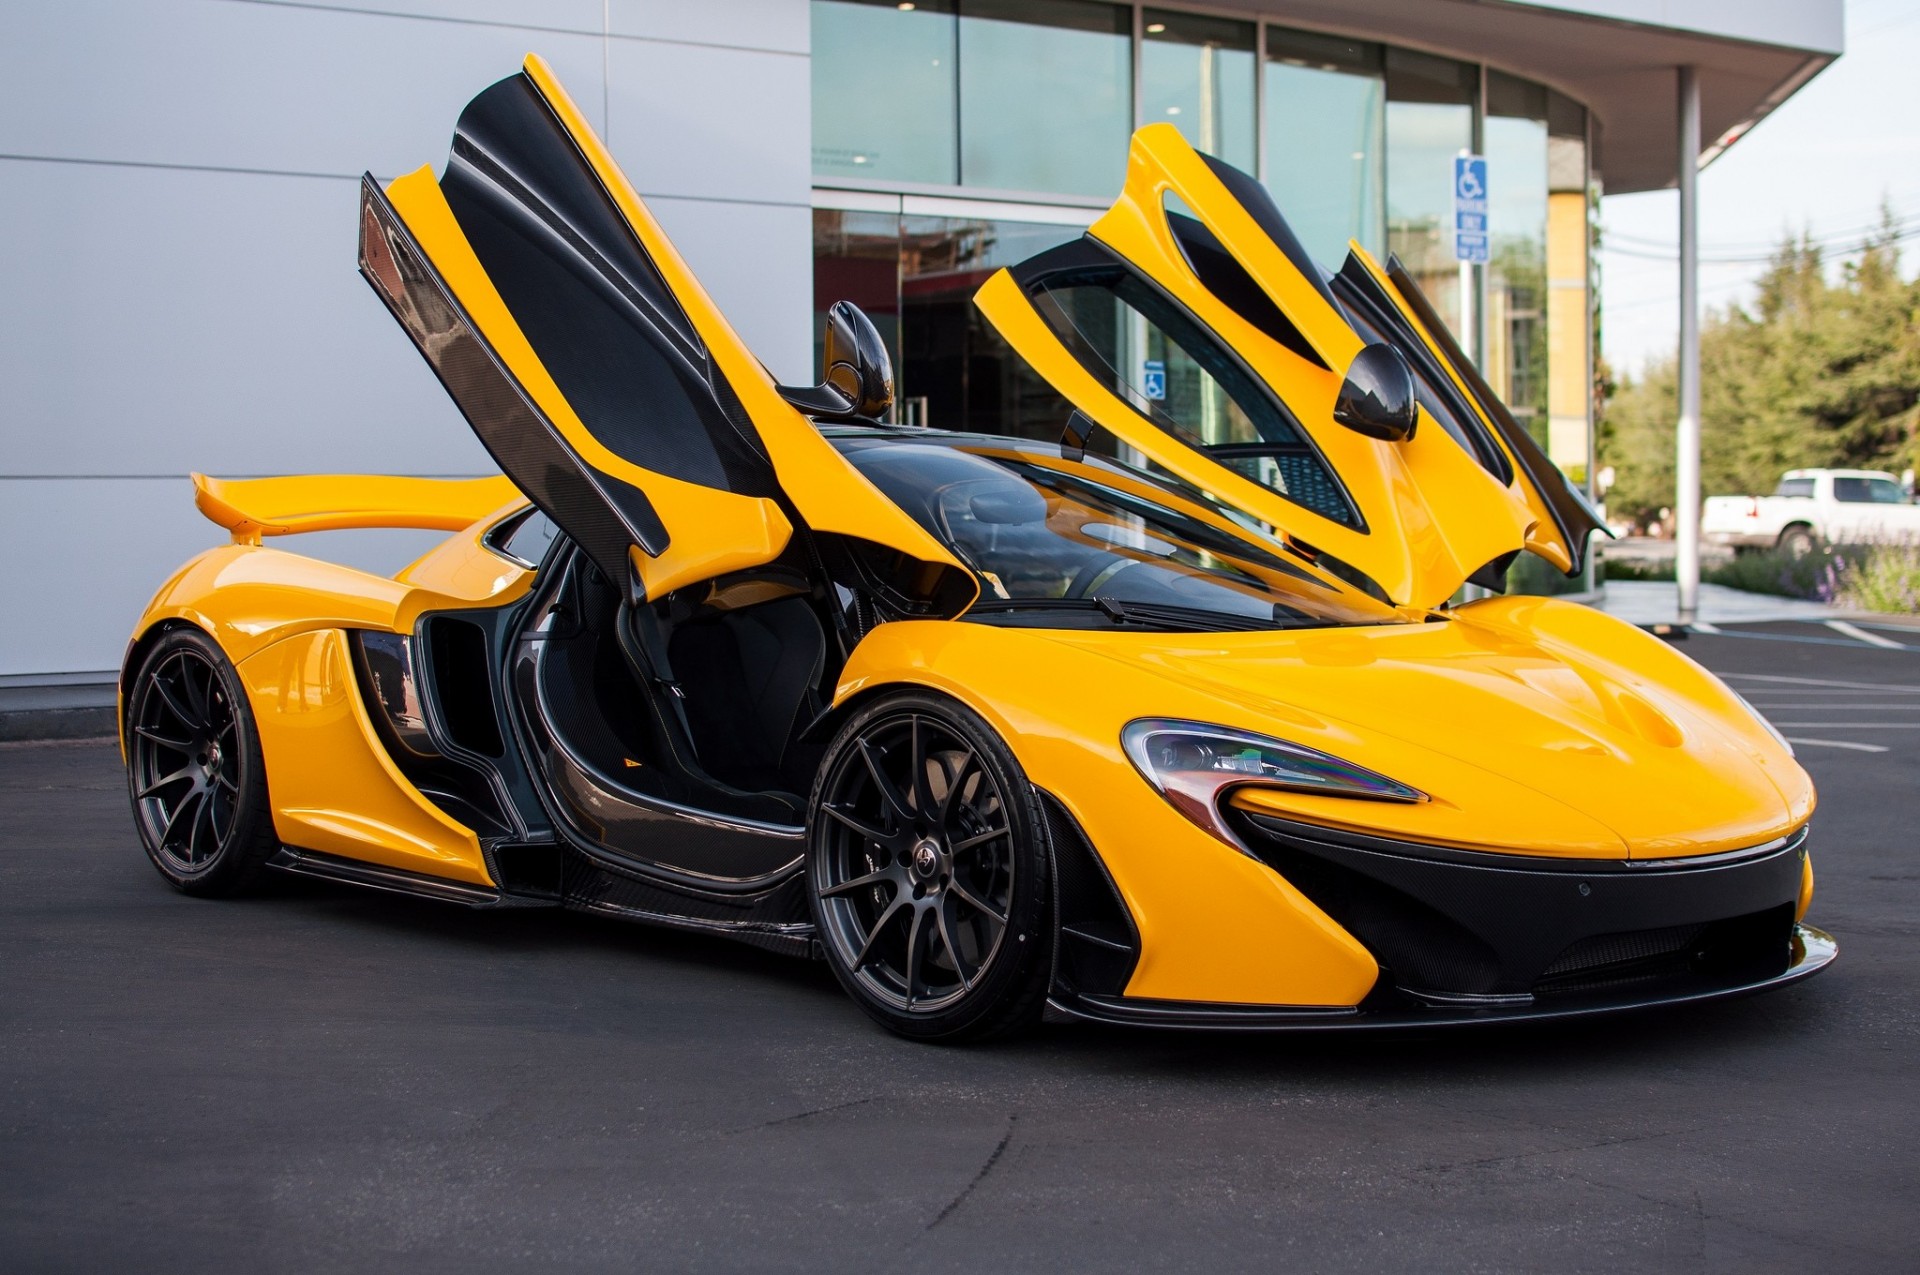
[1433,514]
[1561,709]
[711,531]
[1214,924]
[334,789]
[256,507]
[830,495]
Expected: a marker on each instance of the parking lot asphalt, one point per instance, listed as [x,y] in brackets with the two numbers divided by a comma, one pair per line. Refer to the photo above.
[319,1079]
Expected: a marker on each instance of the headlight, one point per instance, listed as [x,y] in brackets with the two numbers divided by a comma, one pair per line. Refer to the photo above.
[1192,764]
[1760,717]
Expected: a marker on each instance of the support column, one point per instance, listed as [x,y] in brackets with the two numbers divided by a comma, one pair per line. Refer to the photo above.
[1686,467]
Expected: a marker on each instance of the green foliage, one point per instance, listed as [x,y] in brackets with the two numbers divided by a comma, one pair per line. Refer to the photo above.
[1637,569]
[1820,372]
[1883,578]
[1812,575]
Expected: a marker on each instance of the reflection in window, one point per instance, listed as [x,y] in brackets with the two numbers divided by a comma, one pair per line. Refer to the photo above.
[1158,359]
[1429,123]
[883,84]
[1515,361]
[856,257]
[1196,73]
[1045,95]
[1325,140]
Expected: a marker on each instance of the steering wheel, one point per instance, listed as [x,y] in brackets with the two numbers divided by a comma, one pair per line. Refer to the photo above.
[1097,573]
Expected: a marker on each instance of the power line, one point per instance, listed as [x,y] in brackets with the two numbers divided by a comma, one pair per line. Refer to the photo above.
[1760,258]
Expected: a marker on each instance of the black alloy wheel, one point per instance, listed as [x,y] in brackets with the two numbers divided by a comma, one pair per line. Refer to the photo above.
[929,872]
[194,769]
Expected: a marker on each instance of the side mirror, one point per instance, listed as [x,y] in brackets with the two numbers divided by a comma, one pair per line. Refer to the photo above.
[856,374]
[1378,398]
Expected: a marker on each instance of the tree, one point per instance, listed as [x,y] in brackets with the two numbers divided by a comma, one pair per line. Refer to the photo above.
[1819,372]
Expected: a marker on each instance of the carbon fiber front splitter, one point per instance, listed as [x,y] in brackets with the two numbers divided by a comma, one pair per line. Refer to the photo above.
[1811,951]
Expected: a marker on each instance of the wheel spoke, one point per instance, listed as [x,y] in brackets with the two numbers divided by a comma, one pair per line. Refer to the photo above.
[165,741]
[185,772]
[199,695]
[922,791]
[900,900]
[175,705]
[978,839]
[221,777]
[955,785]
[914,930]
[953,949]
[889,791]
[866,830]
[192,799]
[968,897]
[203,817]
[860,883]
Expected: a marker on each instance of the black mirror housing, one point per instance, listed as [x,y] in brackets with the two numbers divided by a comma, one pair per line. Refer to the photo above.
[1378,398]
[856,372]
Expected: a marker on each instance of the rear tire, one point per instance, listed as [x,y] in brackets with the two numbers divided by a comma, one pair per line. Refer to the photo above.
[929,872]
[1797,541]
[195,775]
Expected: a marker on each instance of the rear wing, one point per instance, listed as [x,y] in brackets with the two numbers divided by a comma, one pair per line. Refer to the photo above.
[255,507]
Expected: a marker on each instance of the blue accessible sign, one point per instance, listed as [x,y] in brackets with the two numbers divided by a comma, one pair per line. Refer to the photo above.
[1470,208]
[1153,379]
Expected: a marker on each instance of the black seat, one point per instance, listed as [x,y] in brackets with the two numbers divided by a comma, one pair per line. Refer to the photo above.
[749,679]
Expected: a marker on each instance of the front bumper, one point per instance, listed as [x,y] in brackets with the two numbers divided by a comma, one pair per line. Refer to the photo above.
[1809,952]
[1466,936]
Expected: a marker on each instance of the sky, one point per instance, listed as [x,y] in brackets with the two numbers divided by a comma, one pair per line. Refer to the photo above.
[1824,161]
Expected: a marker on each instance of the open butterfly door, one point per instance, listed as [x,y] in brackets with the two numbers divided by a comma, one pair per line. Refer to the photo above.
[600,376]
[1191,326]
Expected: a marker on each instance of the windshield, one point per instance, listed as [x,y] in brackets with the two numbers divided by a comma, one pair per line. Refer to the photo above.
[1089,544]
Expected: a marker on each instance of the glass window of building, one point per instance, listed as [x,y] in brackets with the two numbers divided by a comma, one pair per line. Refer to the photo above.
[1326,140]
[1515,138]
[1197,73]
[1046,100]
[1570,326]
[1430,108]
[856,257]
[883,91]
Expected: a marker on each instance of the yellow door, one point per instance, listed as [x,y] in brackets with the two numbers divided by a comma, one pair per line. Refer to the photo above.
[1190,325]
[597,371]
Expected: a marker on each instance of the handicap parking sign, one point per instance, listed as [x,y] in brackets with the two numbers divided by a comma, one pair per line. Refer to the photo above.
[1153,379]
[1470,208]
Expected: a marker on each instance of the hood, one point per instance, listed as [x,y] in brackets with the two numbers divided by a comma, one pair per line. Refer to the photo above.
[1536,727]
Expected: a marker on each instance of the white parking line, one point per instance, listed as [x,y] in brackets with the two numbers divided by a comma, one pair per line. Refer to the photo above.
[1836,743]
[1861,635]
[1817,681]
[1701,626]
[1848,725]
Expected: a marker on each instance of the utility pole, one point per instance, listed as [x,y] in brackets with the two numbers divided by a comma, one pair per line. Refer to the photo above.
[1686,467]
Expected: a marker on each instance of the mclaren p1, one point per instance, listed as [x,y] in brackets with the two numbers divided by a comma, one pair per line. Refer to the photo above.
[1172,712]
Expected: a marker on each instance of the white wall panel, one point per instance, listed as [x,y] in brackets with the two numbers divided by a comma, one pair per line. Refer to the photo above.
[551,15]
[100,548]
[716,123]
[747,24]
[756,261]
[177,321]
[268,86]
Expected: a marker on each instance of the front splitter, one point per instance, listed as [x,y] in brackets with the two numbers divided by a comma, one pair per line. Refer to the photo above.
[1811,951]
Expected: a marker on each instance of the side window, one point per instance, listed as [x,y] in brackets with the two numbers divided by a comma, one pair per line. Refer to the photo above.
[1885,491]
[1852,491]
[1795,487]
[522,539]
[1158,358]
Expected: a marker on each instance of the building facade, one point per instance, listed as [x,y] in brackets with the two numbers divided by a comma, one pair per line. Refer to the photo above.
[179,193]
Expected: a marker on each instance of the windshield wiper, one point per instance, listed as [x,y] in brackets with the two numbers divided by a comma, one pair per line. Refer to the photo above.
[1145,614]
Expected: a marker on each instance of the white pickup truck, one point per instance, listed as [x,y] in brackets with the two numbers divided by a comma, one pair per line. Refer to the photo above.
[1838,506]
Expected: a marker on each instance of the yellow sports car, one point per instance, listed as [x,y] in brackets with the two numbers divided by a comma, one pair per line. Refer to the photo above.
[1171,718]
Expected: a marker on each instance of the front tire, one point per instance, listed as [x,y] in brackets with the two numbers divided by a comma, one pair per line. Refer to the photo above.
[194,771]
[929,872]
